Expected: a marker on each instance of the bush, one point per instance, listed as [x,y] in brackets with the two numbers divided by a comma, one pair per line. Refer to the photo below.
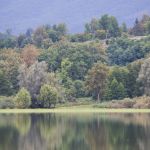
[142,102]
[100,34]
[22,99]
[48,96]
[6,102]
[128,103]
[137,103]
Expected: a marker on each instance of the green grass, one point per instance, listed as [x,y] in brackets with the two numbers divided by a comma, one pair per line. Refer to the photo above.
[75,109]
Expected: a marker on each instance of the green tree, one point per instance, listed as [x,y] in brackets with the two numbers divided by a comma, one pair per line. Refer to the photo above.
[122,51]
[140,27]
[79,88]
[39,35]
[100,34]
[48,96]
[107,23]
[144,76]
[124,28]
[9,64]
[92,26]
[121,74]
[54,80]
[61,28]
[22,99]
[121,91]
[81,37]
[66,80]
[148,27]
[21,41]
[5,84]
[133,86]
[82,56]
[115,91]
[8,42]
[96,80]
[65,68]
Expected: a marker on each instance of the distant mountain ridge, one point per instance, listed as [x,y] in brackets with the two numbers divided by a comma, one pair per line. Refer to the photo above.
[22,14]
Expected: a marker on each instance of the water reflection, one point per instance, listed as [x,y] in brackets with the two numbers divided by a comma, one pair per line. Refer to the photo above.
[74,132]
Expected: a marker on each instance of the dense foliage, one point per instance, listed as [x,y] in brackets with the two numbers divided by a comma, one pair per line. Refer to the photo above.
[96,80]
[141,27]
[122,51]
[105,27]
[22,99]
[48,96]
[108,61]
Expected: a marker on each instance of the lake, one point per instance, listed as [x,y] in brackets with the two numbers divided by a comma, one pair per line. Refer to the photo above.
[87,131]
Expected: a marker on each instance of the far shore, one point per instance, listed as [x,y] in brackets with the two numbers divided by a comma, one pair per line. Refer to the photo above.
[73,109]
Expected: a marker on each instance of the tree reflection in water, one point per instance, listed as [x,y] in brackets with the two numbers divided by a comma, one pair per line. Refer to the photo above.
[74,132]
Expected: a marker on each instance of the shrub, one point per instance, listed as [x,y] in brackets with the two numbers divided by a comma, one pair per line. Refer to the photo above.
[128,103]
[100,34]
[48,96]
[6,102]
[142,102]
[137,103]
[22,99]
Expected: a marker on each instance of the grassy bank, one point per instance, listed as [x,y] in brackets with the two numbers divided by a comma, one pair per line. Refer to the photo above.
[87,105]
[75,109]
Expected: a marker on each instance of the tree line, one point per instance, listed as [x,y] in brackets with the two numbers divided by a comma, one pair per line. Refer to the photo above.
[47,65]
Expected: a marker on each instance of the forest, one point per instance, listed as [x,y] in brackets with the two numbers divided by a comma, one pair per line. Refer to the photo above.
[108,64]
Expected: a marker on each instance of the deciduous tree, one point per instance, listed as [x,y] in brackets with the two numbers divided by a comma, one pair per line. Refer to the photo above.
[22,99]
[96,80]
[33,78]
[144,76]
[29,54]
[48,96]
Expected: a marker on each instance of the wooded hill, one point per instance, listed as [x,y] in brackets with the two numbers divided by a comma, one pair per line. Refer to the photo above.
[47,65]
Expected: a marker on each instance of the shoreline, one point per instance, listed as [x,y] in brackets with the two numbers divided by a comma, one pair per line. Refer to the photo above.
[72,110]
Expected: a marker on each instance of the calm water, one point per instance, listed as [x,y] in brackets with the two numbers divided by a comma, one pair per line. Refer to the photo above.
[75,132]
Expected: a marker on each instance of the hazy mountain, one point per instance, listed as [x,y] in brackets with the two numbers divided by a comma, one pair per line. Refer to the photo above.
[22,14]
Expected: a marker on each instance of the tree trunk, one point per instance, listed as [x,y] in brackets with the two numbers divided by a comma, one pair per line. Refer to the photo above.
[49,105]
[98,97]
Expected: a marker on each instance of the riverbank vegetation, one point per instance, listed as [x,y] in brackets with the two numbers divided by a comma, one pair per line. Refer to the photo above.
[136,103]
[47,66]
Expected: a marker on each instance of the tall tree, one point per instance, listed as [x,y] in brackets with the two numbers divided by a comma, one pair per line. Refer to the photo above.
[39,35]
[96,80]
[5,84]
[144,76]
[133,86]
[55,81]
[140,27]
[115,91]
[148,27]
[33,78]
[107,23]
[124,28]
[9,64]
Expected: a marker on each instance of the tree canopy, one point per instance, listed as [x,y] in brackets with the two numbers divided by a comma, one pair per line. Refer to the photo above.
[107,61]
